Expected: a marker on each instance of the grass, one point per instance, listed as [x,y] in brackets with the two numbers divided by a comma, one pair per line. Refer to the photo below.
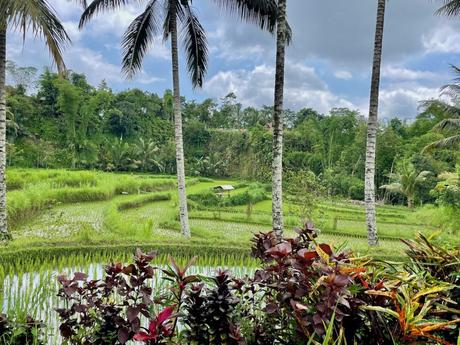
[56,211]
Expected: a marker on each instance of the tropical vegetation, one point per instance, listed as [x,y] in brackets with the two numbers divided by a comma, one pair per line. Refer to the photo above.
[93,175]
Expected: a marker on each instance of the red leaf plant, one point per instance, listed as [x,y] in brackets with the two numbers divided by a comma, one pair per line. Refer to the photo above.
[159,328]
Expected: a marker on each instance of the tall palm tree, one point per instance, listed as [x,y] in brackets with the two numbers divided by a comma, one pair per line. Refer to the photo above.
[22,15]
[177,16]
[278,123]
[405,182]
[372,124]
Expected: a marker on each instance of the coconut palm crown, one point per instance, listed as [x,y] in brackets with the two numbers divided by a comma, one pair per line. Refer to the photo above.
[157,19]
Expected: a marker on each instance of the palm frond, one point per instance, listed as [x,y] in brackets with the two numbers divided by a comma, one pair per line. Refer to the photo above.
[173,8]
[443,143]
[196,47]
[423,175]
[39,17]
[138,37]
[451,8]
[443,106]
[448,124]
[98,6]
[260,12]
[450,90]
[83,3]
[456,71]
[453,90]
[392,187]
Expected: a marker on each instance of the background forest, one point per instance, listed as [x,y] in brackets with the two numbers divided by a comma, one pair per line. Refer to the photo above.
[67,123]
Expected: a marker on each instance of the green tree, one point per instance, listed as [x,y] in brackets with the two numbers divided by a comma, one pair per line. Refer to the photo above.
[24,77]
[22,15]
[68,104]
[145,152]
[405,181]
[372,125]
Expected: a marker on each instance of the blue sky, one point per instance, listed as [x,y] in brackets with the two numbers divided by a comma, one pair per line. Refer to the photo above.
[328,64]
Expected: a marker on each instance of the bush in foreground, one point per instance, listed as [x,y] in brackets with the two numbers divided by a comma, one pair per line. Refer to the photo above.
[303,293]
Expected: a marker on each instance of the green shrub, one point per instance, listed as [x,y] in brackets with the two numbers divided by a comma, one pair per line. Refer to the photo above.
[251,196]
[207,198]
[255,193]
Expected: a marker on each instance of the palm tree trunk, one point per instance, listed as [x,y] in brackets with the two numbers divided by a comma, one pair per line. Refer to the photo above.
[410,202]
[277,165]
[372,124]
[4,235]
[183,211]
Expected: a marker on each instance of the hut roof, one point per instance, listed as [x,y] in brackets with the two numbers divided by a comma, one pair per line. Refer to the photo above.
[224,187]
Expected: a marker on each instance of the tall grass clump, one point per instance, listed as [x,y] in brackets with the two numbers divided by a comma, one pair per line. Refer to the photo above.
[143,200]
[21,178]
[76,179]
[37,190]
[135,184]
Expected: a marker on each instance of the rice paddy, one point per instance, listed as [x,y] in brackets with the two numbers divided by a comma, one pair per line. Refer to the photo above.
[67,221]
[57,208]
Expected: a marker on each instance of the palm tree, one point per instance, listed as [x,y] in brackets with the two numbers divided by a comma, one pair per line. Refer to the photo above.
[278,123]
[119,155]
[372,124]
[406,181]
[22,15]
[177,15]
[145,152]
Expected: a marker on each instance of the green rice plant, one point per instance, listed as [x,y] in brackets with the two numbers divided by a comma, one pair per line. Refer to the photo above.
[75,179]
[205,179]
[73,187]
[135,185]
[142,200]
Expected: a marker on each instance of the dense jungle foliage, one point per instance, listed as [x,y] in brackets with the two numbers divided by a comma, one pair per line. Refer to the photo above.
[64,122]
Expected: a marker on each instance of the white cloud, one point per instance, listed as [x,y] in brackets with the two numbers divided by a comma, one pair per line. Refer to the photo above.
[160,49]
[72,30]
[444,39]
[345,75]
[401,73]
[255,87]
[229,49]
[66,8]
[403,101]
[98,68]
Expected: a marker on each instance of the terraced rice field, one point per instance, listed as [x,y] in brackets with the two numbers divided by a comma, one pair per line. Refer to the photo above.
[99,208]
